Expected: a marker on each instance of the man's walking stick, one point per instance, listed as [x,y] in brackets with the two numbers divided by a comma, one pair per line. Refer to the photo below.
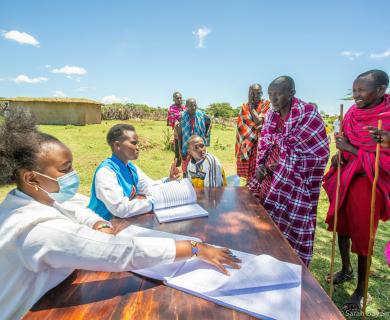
[372,214]
[336,209]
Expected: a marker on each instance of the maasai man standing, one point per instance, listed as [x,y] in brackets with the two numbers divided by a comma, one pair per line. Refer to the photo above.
[249,124]
[357,175]
[192,121]
[175,110]
[174,116]
[292,156]
[204,169]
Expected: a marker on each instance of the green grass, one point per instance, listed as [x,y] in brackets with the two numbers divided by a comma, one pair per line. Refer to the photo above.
[89,148]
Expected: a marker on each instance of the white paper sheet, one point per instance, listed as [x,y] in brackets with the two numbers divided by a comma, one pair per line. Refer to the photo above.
[188,211]
[267,288]
[281,301]
[163,271]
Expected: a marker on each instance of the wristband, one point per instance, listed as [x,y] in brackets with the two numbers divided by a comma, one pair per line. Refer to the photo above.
[194,248]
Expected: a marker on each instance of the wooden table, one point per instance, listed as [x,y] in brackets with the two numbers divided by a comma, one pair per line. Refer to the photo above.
[235,220]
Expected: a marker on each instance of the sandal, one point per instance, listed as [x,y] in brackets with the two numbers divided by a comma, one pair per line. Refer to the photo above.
[353,304]
[340,277]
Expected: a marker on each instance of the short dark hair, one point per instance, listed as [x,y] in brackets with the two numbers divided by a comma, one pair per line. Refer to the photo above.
[285,79]
[116,132]
[380,77]
[20,144]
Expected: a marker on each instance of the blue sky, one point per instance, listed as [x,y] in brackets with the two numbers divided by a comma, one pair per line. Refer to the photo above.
[143,51]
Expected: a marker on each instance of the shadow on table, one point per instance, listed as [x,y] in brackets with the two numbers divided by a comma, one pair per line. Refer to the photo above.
[68,295]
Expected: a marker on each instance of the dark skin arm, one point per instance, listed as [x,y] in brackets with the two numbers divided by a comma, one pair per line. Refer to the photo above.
[178,143]
[218,257]
[256,118]
[208,126]
[343,144]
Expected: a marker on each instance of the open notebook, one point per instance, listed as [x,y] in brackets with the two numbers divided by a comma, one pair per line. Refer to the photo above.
[264,287]
[176,200]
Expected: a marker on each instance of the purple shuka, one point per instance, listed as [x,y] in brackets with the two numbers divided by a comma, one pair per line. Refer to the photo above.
[295,187]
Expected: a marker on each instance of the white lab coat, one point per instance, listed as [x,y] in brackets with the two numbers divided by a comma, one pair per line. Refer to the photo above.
[110,193]
[40,246]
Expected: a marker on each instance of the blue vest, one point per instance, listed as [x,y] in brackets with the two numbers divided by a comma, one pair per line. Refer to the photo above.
[127,178]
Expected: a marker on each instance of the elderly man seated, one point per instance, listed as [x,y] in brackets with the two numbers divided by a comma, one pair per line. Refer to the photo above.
[203,168]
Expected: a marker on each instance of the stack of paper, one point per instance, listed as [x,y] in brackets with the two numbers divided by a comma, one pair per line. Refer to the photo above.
[264,286]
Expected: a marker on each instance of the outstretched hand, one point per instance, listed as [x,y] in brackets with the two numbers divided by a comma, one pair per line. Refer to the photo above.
[218,257]
[174,173]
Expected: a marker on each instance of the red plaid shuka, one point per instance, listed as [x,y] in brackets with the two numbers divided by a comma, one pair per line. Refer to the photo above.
[247,139]
[353,125]
[295,187]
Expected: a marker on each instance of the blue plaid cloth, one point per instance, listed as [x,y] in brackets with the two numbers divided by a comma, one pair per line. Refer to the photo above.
[199,129]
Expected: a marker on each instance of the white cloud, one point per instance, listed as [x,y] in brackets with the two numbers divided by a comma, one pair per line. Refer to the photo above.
[21,37]
[68,70]
[382,55]
[351,54]
[85,88]
[47,66]
[114,99]
[25,79]
[59,94]
[201,35]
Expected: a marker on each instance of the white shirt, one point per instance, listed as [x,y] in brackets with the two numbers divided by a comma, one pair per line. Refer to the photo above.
[111,194]
[336,126]
[40,246]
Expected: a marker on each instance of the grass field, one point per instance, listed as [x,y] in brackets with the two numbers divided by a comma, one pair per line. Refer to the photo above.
[89,148]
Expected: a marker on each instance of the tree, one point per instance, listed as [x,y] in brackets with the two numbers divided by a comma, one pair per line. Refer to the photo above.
[221,110]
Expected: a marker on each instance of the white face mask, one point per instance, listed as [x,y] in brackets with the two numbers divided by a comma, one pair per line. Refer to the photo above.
[68,184]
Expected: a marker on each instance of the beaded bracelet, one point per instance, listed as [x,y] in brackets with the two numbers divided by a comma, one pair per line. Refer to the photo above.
[104,225]
[194,248]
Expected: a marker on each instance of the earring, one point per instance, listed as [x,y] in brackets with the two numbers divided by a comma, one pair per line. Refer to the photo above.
[36,188]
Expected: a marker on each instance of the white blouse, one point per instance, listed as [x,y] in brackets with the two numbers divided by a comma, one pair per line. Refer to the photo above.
[110,193]
[40,246]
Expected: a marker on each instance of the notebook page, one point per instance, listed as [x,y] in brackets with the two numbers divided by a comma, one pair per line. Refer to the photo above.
[282,303]
[267,302]
[173,193]
[199,276]
[259,272]
[188,211]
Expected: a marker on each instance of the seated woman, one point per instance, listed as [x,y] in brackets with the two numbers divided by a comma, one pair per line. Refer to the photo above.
[44,237]
[204,169]
[120,188]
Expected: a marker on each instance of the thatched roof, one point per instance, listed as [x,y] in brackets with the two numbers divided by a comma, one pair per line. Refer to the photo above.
[60,100]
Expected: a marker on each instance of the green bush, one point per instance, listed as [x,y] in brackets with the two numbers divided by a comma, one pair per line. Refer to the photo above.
[118,111]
